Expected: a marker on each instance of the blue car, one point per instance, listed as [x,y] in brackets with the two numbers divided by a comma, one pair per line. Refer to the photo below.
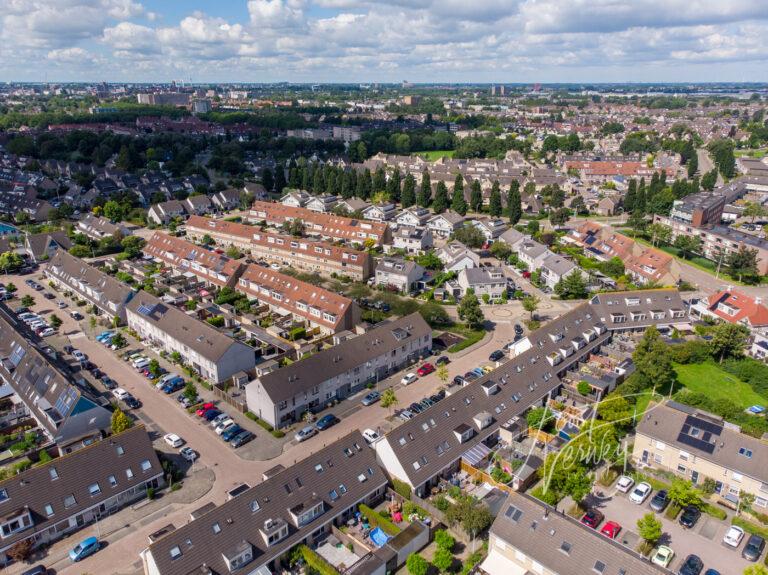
[211,414]
[172,385]
[479,372]
[326,421]
[230,432]
[85,548]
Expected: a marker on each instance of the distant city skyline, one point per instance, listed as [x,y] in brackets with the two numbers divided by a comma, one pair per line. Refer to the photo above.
[351,41]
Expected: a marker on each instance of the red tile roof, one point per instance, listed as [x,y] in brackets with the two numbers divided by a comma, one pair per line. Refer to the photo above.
[745,308]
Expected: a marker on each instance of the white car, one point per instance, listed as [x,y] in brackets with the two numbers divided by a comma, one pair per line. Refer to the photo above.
[275,266]
[408,379]
[79,355]
[173,440]
[625,483]
[47,331]
[141,364]
[640,493]
[219,418]
[733,536]
[222,426]
[188,453]
[61,304]
[305,433]
[371,436]
[120,393]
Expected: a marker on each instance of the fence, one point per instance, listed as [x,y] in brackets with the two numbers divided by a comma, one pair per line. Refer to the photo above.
[477,474]
[235,402]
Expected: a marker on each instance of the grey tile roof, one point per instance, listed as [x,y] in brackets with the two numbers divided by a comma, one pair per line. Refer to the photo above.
[482,276]
[343,462]
[197,335]
[545,534]
[664,422]
[38,243]
[36,487]
[305,374]
[396,266]
[559,265]
[429,437]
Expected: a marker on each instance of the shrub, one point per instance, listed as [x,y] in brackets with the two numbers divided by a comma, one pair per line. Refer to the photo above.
[583,388]
[21,550]
[442,504]
[376,520]
[416,564]
[401,488]
[549,496]
[443,560]
[672,511]
[316,562]
[444,540]
[150,492]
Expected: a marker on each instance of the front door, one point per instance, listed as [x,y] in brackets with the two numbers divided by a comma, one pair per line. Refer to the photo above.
[644,458]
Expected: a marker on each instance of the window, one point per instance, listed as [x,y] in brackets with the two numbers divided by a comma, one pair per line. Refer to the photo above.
[53,473]
[129,473]
[681,469]
[319,467]
[69,501]
[49,510]
[333,495]
[599,567]
[112,481]
[745,452]
[146,465]
[175,552]
[342,489]
[3,495]
[94,489]
[737,477]
[120,450]
[216,528]
[255,506]
[565,547]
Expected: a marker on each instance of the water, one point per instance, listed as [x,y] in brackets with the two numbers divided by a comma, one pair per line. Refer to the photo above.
[6,229]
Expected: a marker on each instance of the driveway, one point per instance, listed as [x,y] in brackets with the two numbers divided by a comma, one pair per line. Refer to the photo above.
[704,540]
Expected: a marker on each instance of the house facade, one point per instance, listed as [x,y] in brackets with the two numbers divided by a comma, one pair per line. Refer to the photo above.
[398,274]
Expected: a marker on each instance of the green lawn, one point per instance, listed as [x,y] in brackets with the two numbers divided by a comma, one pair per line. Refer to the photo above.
[433,155]
[709,379]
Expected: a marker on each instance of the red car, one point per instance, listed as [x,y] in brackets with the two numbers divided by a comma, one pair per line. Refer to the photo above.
[425,369]
[592,518]
[205,407]
[611,529]
[527,275]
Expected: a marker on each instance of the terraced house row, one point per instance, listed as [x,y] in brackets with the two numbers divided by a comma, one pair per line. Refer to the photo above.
[431,445]
[299,253]
[326,226]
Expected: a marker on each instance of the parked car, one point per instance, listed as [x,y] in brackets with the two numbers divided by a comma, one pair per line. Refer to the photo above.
[132,402]
[49,295]
[496,355]
[85,548]
[222,426]
[754,548]
[459,380]
[371,398]
[61,304]
[478,371]
[120,393]
[326,421]
[425,369]
[79,355]
[442,360]
[188,453]
[108,382]
[470,376]
[241,439]
[611,529]
[689,516]
[691,566]
[416,407]
[211,414]
[49,331]
[409,379]
[733,536]
[663,556]
[204,408]
[186,401]
[660,500]
[76,315]
[592,518]
[219,418]
[640,493]
[173,386]
[173,440]
[141,363]
[231,431]
[371,436]
[36,570]
[405,415]
[439,396]
[518,329]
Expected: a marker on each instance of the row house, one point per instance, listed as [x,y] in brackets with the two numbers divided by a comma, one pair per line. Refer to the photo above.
[299,253]
[735,307]
[284,395]
[323,203]
[320,308]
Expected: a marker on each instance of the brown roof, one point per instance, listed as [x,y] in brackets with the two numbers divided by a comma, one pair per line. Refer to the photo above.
[91,283]
[331,475]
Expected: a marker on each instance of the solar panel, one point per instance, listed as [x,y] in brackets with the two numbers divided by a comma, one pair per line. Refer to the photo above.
[696,443]
[145,309]
[704,424]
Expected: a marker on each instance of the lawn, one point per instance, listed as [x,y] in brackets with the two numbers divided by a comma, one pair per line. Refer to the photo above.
[709,379]
[433,155]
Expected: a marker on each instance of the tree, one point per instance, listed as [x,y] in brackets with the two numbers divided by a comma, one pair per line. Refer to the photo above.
[728,340]
[688,245]
[416,564]
[132,245]
[683,493]
[442,373]
[388,399]
[756,569]
[440,204]
[469,310]
[118,340]
[649,528]
[114,212]
[500,250]
[572,286]
[616,410]
[233,252]
[559,216]
[154,367]
[514,202]
[659,233]
[55,321]
[470,236]
[425,191]
[653,366]
[578,206]
[443,560]
[190,391]
[10,261]
[531,304]
[693,165]
[430,261]
[476,197]
[743,264]
[578,486]
[709,180]
[444,540]
[408,196]
[27,301]
[539,418]
[494,205]
[753,210]
[120,421]
[458,203]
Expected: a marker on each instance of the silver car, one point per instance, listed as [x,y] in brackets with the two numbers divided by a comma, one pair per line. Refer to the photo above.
[305,433]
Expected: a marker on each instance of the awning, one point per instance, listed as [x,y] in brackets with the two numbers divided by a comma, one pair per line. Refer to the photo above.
[476,454]
[497,564]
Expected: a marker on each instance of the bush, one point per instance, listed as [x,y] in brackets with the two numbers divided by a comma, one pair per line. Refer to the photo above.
[150,492]
[672,511]
[583,388]
[21,550]
[694,351]
[401,488]
[316,562]
[750,527]
[376,520]
[444,540]
[442,503]
[253,417]
[416,564]
[714,511]
[443,560]
[549,496]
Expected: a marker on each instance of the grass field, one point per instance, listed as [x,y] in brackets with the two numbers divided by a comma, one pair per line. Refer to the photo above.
[709,379]
[433,155]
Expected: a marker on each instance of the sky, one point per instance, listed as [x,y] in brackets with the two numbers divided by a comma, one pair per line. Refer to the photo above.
[376,41]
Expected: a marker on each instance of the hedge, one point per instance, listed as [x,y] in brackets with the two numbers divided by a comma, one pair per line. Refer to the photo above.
[714,511]
[401,488]
[316,562]
[750,527]
[376,520]
[253,417]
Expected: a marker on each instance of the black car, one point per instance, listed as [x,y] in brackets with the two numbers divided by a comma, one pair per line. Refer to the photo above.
[442,360]
[108,382]
[458,380]
[689,517]
[496,355]
[68,349]
[415,407]
[439,396]
[241,439]
[470,376]
[131,402]
[691,566]
[39,570]
[754,548]
[660,500]
[211,414]
[518,329]
[49,295]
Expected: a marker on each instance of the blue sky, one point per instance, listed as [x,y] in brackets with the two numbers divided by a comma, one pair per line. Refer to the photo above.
[372,40]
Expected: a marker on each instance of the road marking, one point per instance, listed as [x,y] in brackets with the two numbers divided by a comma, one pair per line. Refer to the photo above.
[76,335]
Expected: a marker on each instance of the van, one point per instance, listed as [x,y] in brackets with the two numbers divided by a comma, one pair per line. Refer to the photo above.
[141,363]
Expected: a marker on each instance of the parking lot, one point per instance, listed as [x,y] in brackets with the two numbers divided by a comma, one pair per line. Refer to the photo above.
[705,539]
